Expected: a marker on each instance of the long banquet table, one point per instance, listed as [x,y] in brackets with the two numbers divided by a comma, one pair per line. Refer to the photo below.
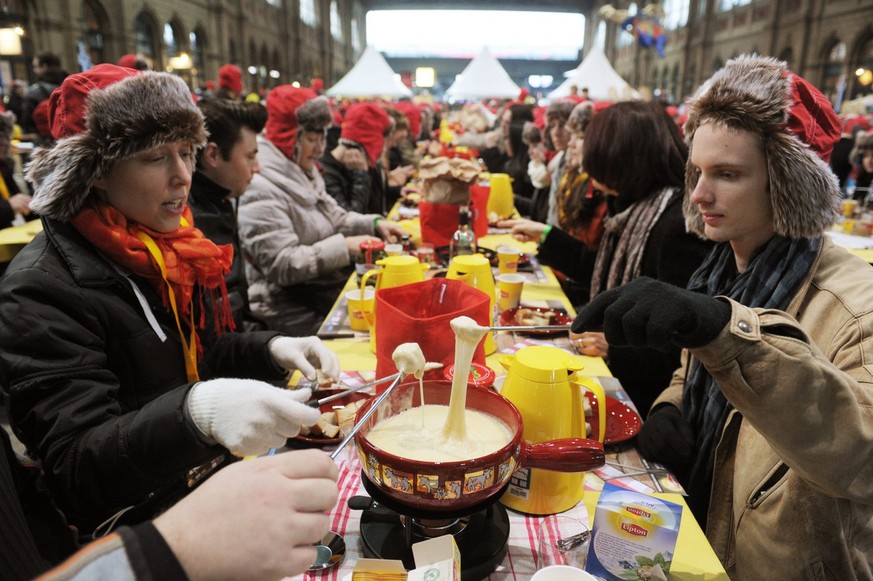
[693,559]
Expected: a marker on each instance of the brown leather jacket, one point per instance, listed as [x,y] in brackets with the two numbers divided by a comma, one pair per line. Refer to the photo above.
[792,494]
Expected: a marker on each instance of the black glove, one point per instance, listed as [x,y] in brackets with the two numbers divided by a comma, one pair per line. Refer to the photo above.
[666,437]
[651,313]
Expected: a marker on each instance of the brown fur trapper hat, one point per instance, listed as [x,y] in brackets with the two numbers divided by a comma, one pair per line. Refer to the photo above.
[102,116]
[798,129]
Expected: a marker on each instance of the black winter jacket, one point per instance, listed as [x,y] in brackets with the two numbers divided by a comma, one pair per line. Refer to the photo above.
[94,393]
[350,188]
[671,255]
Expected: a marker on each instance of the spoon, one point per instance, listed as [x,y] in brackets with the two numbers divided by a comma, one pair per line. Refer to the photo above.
[400,375]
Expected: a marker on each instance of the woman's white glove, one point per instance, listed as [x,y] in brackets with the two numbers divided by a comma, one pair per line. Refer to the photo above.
[306,354]
[248,417]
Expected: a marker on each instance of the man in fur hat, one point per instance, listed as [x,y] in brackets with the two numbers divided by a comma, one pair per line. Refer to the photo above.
[769,424]
[103,334]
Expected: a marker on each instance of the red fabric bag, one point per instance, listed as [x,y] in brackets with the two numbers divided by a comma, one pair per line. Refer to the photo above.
[439,221]
[421,313]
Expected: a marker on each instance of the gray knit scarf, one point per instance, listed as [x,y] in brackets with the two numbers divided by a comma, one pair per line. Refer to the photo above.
[771,281]
[620,254]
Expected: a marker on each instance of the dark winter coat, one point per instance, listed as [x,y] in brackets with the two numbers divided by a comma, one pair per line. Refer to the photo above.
[215,216]
[671,255]
[95,393]
[349,187]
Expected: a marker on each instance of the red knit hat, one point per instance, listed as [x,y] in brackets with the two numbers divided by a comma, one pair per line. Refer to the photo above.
[317,85]
[230,78]
[66,114]
[365,124]
[129,60]
[41,119]
[413,114]
[798,130]
[100,117]
[291,110]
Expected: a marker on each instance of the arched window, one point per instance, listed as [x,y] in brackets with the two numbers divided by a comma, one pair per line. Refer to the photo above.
[14,15]
[674,85]
[787,55]
[144,31]
[676,13]
[308,14]
[172,39]
[232,52]
[834,68]
[336,23]
[862,69]
[717,64]
[94,23]
[625,36]
[356,35]
[197,45]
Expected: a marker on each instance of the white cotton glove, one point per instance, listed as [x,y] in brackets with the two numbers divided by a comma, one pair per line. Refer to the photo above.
[306,354]
[248,417]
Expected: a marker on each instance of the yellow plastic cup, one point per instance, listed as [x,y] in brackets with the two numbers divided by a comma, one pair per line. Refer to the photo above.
[507,259]
[509,290]
[360,304]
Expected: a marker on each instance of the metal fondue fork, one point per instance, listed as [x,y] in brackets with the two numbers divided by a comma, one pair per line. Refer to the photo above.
[375,404]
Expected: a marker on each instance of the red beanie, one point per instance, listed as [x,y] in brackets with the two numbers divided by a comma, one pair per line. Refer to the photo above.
[811,117]
[128,60]
[365,124]
[287,116]
[413,115]
[317,85]
[230,78]
[66,113]
[41,119]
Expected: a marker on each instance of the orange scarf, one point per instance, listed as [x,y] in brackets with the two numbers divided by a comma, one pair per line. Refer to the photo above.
[192,260]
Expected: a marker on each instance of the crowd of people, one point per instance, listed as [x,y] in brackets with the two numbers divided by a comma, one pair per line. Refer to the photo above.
[191,247]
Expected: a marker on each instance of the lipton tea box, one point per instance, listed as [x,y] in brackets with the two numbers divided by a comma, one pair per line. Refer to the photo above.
[633,536]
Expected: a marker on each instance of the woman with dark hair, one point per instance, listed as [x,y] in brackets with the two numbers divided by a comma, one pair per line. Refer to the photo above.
[518,158]
[644,232]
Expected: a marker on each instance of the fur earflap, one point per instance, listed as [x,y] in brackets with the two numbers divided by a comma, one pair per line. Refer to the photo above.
[135,114]
[314,115]
[756,94]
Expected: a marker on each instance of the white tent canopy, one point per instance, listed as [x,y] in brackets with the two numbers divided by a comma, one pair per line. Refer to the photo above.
[595,72]
[483,78]
[371,76]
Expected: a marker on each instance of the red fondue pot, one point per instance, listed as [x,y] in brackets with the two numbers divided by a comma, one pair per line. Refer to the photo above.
[450,486]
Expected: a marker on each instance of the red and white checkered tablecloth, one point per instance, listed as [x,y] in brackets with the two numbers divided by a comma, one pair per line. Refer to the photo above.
[519,563]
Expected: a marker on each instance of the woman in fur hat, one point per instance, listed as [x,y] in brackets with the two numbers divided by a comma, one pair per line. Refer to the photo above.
[112,316]
[299,242]
[769,423]
[644,231]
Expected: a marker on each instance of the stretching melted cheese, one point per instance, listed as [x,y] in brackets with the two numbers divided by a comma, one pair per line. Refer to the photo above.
[468,333]
[438,433]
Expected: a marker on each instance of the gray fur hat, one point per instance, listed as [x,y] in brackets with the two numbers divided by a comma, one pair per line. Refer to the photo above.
[100,117]
[798,129]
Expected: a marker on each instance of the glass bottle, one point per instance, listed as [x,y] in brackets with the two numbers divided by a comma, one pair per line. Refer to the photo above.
[369,251]
[406,242]
[463,240]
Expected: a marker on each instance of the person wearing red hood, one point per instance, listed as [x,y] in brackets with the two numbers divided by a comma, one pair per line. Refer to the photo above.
[352,173]
[300,243]
[116,342]
[230,85]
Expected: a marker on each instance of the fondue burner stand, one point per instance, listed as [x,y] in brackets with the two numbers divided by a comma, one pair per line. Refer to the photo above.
[388,531]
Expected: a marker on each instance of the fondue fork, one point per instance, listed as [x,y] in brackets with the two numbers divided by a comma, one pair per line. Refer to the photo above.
[430,365]
[523,328]
[373,406]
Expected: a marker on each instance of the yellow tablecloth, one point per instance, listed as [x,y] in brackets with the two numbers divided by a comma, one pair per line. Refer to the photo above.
[13,239]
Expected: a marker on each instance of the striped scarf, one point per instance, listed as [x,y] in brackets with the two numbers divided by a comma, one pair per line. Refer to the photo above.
[620,254]
[771,281]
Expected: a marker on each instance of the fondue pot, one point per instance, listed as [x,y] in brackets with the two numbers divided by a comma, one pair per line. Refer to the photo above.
[451,486]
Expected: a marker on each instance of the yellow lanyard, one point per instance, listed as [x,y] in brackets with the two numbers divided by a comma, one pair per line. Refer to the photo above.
[189,346]
[4,189]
